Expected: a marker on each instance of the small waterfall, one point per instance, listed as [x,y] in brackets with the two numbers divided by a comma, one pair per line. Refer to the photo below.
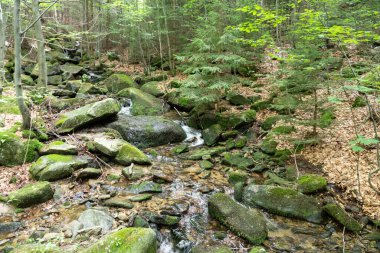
[193,136]
[126,108]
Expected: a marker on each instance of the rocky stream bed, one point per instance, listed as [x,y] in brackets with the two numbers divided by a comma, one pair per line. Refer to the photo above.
[124,172]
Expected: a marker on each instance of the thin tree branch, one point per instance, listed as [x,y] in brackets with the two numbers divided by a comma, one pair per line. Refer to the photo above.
[39,17]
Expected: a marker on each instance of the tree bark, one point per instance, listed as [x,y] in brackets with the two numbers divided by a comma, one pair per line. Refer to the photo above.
[42,67]
[3,26]
[26,119]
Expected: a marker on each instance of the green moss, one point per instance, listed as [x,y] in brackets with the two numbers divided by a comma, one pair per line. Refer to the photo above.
[311,183]
[37,248]
[269,146]
[8,105]
[206,165]
[182,148]
[130,154]
[127,240]
[342,217]
[283,130]
[32,148]
[31,194]
[235,177]
[283,201]
[238,160]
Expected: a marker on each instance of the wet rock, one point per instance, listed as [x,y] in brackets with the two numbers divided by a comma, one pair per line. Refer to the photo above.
[92,218]
[140,197]
[88,173]
[238,160]
[54,167]
[130,154]
[117,82]
[31,194]
[206,165]
[145,187]
[144,103]
[180,149]
[153,89]
[90,113]
[211,249]
[246,223]
[283,201]
[119,202]
[148,131]
[58,147]
[212,134]
[311,183]
[161,177]
[127,240]
[37,248]
[166,220]
[9,227]
[335,211]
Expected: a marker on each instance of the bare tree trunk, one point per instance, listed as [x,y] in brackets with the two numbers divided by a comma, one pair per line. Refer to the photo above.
[167,36]
[159,32]
[26,119]
[3,26]
[42,77]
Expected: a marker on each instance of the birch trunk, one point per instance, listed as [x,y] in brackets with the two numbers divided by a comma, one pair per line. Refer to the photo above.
[42,76]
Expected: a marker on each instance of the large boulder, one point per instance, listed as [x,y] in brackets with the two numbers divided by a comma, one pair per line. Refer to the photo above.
[53,167]
[71,69]
[246,223]
[118,82]
[69,121]
[283,201]
[127,240]
[153,89]
[31,194]
[58,147]
[148,131]
[144,103]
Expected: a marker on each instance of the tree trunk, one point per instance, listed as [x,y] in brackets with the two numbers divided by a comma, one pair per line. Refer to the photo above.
[26,119]
[42,77]
[167,36]
[3,26]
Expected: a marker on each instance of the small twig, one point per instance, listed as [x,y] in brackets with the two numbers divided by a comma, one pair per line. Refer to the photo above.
[38,18]
[344,241]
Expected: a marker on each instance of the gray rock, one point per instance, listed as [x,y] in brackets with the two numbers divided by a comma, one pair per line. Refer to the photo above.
[92,218]
[148,131]
[58,147]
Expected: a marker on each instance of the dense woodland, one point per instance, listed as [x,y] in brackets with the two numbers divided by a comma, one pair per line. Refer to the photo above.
[173,126]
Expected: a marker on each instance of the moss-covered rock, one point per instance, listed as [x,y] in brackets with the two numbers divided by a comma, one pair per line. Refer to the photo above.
[31,194]
[246,223]
[153,89]
[283,201]
[107,145]
[148,131]
[269,122]
[58,147]
[89,88]
[69,121]
[268,146]
[206,165]
[37,248]
[257,250]
[210,249]
[118,202]
[127,240]
[199,154]
[238,176]
[238,160]
[182,148]
[212,134]
[71,69]
[166,220]
[181,102]
[130,154]
[117,82]
[87,173]
[144,187]
[27,80]
[237,99]
[311,183]
[54,167]
[335,211]
[143,103]
[13,151]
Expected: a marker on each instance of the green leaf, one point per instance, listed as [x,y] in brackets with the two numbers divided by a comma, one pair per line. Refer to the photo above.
[335,100]
[357,148]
